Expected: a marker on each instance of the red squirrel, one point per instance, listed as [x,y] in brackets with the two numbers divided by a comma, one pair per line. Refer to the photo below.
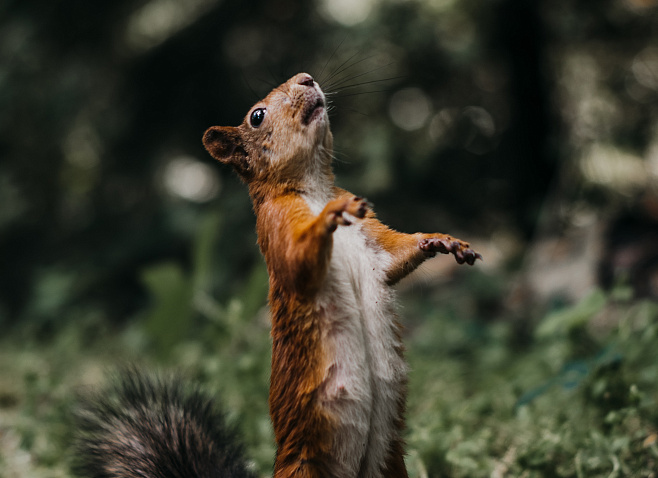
[337,391]
[338,381]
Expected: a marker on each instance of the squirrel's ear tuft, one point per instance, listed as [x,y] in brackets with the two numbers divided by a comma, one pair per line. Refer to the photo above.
[224,143]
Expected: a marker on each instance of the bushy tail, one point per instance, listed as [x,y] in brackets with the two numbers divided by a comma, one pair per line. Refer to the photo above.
[147,427]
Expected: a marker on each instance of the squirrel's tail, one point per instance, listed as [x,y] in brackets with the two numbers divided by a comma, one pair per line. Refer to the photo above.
[146,427]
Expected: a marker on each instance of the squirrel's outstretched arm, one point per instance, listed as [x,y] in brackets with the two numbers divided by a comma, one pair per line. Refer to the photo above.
[408,251]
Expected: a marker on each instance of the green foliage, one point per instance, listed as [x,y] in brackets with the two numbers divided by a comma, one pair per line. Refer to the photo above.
[478,407]
[491,410]
[572,318]
[172,293]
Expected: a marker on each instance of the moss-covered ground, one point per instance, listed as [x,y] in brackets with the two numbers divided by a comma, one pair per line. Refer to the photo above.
[568,392]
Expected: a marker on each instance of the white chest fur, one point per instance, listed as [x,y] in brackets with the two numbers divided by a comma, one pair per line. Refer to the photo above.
[365,377]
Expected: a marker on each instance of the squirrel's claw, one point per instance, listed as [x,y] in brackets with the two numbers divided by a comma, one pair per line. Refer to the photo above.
[359,207]
[447,245]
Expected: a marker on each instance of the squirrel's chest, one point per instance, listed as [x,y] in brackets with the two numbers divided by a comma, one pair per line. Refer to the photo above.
[365,371]
[356,306]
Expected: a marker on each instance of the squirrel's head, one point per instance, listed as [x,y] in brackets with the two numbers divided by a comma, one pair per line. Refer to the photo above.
[283,137]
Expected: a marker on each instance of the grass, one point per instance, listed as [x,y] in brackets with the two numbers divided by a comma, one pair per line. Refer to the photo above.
[566,404]
[571,393]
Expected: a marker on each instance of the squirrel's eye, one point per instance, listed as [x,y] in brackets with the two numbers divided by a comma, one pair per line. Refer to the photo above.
[257,117]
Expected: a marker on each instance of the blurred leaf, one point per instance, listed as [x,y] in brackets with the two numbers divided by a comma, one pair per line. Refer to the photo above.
[204,248]
[169,319]
[563,321]
[254,294]
[52,291]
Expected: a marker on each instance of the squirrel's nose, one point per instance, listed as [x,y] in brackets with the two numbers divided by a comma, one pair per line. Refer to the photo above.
[305,79]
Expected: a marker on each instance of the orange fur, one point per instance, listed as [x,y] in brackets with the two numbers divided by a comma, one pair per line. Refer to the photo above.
[296,246]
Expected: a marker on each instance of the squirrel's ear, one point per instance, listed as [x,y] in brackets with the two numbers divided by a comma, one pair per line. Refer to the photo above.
[224,143]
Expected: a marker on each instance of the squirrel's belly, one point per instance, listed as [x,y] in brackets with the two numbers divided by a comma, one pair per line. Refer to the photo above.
[366,374]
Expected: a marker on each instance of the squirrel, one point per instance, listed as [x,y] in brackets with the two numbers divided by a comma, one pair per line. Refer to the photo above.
[338,379]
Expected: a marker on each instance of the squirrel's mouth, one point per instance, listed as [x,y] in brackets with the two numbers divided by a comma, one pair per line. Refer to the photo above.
[312,110]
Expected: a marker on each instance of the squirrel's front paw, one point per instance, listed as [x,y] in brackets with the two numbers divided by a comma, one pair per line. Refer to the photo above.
[449,245]
[355,206]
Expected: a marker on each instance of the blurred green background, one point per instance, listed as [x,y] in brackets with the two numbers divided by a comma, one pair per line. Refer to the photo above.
[529,128]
